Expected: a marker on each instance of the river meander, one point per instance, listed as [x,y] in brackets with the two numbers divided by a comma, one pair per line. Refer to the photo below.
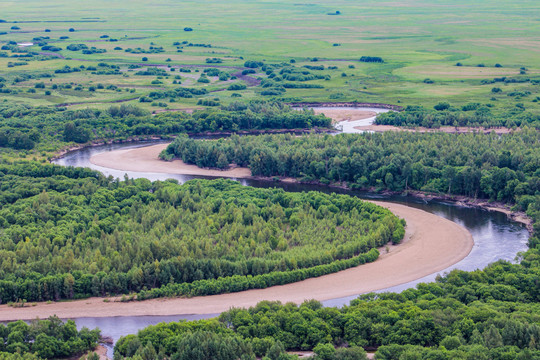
[495,236]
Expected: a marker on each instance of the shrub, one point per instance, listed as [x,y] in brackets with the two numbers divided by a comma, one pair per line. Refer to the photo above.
[237,87]
[253,64]
[441,106]
[369,59]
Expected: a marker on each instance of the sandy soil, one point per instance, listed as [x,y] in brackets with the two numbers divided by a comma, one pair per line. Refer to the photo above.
[431,244]
[346,114]
[445,129]
[146,159]
[102,352]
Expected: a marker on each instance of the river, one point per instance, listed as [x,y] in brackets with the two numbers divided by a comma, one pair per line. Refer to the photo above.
[495,236]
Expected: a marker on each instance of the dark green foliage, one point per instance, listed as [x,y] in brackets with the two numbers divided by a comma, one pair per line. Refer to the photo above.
[448,116]
[274,91]
[476,165]
[240,116]
[204,339]
[430,322]
[208,102]
[236,87]
[76,133]
[203,79]
[76,47]
[371,59]
[46,339]
[485,314]
[442,106]
[17,139]
[152,71]
[83,235]
[24,127]
[51,48]
[214,61]
[300,74]
[253,64]
[302,86]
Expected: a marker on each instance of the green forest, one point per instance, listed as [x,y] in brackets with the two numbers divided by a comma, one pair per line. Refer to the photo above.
[480,315]
[69,233]
[72,233]
[45,339]
[503,168]
[469,115]
[23,127]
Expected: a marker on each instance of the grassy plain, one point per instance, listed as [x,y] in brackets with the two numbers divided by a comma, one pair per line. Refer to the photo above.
[420,42]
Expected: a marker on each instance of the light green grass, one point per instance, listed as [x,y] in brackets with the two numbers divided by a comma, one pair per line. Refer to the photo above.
[417,39]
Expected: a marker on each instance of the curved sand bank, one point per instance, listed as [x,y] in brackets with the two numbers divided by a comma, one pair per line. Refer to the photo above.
[431,244]
[147,159]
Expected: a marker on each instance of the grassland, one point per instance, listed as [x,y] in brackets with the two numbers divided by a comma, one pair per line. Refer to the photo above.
[420,45]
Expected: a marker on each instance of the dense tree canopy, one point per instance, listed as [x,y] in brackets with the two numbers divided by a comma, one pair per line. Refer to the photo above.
[476,165]
[71,233]
[21,126]
[473,114]
[45,339]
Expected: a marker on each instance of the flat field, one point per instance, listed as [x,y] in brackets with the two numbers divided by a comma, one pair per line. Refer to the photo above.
[420,43]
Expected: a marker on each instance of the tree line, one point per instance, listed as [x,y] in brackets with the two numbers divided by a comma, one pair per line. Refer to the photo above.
[469,115]
[502,168]
[23,127]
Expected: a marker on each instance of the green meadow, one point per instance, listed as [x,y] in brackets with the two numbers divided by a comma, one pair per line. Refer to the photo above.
[420,43]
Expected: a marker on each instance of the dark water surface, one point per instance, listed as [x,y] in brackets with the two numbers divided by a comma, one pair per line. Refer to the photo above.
[495,237]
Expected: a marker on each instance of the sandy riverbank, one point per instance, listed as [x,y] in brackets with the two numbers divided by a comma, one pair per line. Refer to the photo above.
[431,244]
[147,159]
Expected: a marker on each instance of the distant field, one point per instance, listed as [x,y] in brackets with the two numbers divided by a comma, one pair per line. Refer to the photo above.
[420,45]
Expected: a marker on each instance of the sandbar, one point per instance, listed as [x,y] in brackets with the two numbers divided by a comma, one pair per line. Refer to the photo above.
[147,159]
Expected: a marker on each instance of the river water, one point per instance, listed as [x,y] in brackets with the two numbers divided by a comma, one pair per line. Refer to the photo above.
[495,237]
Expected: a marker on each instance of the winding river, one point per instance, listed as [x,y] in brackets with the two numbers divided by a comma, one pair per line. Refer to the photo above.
[495,237]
